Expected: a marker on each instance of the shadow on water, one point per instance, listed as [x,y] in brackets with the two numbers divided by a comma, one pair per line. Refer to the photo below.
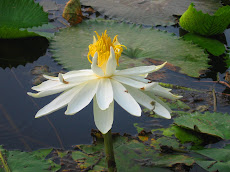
[14,52]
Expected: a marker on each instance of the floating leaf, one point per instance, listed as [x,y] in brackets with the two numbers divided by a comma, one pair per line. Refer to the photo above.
[72,12]
[70,46]
[213,46]
[131,155]
[204,24]
[148,12]
[29,161]
[220,159]
[21,14]
[10,33]
[215,124]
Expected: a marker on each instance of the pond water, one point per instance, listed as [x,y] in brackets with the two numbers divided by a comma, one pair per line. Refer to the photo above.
[20,130]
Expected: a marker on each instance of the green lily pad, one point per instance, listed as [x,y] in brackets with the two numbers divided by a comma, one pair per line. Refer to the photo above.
[29,161]
[148,12]
[204,24]
[70,46]
[220,159]
[213,46]
[10,33]
[21,14]
[130,155]
[215,124]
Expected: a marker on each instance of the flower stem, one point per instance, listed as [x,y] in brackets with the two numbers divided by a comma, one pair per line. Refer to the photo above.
[108,142]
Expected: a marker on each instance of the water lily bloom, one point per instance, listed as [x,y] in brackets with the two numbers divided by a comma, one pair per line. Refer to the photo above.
[104,84]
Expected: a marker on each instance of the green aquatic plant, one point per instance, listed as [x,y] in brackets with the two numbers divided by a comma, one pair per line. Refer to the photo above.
[203,23]
[18,14]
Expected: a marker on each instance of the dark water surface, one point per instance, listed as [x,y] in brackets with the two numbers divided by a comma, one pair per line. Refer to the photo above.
[20,130]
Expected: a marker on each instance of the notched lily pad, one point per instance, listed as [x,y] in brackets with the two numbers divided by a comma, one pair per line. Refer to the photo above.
[70,46]
[148,12]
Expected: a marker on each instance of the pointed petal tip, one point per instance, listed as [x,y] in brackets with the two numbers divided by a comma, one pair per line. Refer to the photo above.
[32,94]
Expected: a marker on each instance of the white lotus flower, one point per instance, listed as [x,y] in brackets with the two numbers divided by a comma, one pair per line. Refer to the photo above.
[104,84]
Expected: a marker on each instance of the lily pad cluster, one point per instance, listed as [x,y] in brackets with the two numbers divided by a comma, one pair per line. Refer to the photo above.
[17,16]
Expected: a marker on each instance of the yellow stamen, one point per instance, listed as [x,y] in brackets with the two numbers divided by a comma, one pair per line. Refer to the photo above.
[102,47]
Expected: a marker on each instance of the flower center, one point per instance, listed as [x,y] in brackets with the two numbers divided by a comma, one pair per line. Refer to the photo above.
[102,47]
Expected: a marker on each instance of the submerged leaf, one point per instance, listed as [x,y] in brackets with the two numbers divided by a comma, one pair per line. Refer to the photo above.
[21,14]
[148,12]
[70,46]
[215,124]
[204,24]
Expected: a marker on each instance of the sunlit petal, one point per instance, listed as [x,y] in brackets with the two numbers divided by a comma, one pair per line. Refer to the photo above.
[104,93]
[61,101]
[103,118]
[149,103]
[140,70]
[161,91]
[111,64]
[124,99]
[46,85]
[97,70]
[128,81]
[53,90]
[82,98]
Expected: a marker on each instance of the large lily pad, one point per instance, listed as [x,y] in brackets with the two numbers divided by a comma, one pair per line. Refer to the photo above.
[149,12]
[215,124]
[70,46]
[21,14]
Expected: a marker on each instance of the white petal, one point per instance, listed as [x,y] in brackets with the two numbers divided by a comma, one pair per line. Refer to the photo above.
[51,78]
[97,70]
[46,85]
[104,93]
[128,81]
[83,98]
[76,73]
[81,79]
[138,78]
[103,118]
[124,99]
[149,103]
[111,63]
[61,101]
[161,91]
[140,70]
[51,91]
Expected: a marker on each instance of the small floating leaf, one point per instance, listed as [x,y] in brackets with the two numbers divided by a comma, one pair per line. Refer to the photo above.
[204,24]
[70,46]
[72,12]
[215,124]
